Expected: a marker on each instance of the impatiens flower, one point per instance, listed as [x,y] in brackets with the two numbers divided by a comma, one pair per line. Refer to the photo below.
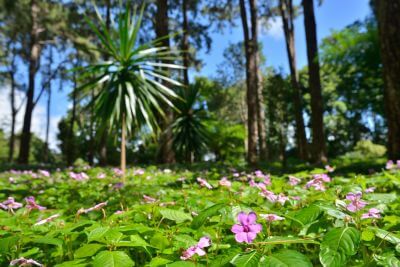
[225,182]
[389,165]
[266,178]
[24,262]
[44,173]
[247,229]
[118,172]
[356,203]
[138,172]
[11,180]
[329,168]
[10,204]
[318,182]
[118,185]
[235,174]
[204,183]
[197,249]
[398,164]
[96,207]
[78,176]
[294,180]
[271,217]
[372,213]
[281,198]
[148,199]
[369,190]
[118,212]
[269,195]
[51,218]
[31,204]
[101,175]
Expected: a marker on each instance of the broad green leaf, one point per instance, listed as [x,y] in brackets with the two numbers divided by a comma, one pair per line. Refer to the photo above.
[286,240]
[158,261]
[249,259]
[308,214]
[87,250]
[204,214]
[75,263]
[175,215]
[48,241]
[182,264]
[98,233]
[287,258]
[337,245]
[112,259]
[388,236]
[387,260]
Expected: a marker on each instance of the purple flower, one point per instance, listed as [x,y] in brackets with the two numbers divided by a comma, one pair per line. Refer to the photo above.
[78,176]
[31,204]
[225,182]
[356,203]
[44,173]
[138,172]
[101,175]
[281,198]
[149,199]
[24,262]
[118,212]
[204,183]
[389,165]
[51,218]
[372,213]
[235,174]
[118,172]
[329,168]
[247,229]
[118,186]
[10,204]
[269,195]
[369,190]
[96,207]
[271,217]
[294,180]
[318,182]
[197,249]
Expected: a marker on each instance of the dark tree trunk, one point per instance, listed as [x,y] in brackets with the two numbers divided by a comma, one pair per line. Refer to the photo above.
[91,133]
[317,109]
[71,136]
[286,8]
[34,59]
[13,115]
[185,43]
[46,143]
[166,152]
[251,82]
[389,32]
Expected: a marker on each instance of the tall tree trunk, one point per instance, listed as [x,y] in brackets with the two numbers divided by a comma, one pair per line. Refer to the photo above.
[46,143]
[286,9]
[185,43]
[251,81]
[13,113]
[389,32]
[91,133]
[71,137]
[317,109]
[123,146]
[34,59]
[104,134]
[166,152]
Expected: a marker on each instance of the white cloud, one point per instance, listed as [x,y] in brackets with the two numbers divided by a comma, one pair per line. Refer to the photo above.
[274,28]
[38,126]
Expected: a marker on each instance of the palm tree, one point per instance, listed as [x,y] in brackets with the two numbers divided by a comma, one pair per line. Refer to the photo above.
[190,134]
[129,84]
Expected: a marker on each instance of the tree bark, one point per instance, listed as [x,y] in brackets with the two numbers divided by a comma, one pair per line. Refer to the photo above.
[251,82]
[14,109]
[286,9]
[317,109]
[34,59]
[46,143]
[166,153]
[389,33]
[185,43]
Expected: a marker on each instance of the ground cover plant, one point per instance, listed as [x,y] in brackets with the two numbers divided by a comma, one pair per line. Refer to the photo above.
[216,217]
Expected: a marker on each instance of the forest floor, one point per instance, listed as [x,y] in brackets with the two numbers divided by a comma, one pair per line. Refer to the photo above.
[208,216]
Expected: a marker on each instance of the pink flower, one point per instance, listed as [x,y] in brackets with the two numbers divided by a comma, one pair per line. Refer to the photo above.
[329,168]
[318,182]
[24,262]
[96,207]
[269,195]
[78,176]
[51,218]
[101,175]
[356,203]
[266,177]
[10,204]
[118,212]
[294,180]
[225,182]
[369,190]
[11,180]
[118,172]
[389,165]
[31,204]
[138,172]
[271,217]
[197,249]
[247,229]
[235,174]
[44,173]
[372,213]
[148,199]
[398,164]
[281,198]
[204,183]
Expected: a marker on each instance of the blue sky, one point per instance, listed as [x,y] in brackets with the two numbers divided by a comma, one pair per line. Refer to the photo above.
[331,15]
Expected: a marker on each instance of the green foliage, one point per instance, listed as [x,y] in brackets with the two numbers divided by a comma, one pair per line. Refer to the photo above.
[287,258]
[366,149]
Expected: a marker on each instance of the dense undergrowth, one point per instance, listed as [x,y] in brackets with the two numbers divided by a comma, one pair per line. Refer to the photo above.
[215,217]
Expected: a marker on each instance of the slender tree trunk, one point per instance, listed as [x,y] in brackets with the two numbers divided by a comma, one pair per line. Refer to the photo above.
[317,109]
[185,43]
[46,143]
[166,152]
[123,147]
[13,111]
[91,133]
[389,32]
[251,82]
[286,9]
[71,137]
[34,58]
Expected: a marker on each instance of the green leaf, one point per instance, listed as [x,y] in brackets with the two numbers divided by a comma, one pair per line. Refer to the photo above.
[287,258]
[308,214]
[388,236]
[175,215]
[182,264]
[204,214]
[367,235]
[158,261]
[48,241]
[286,240]
[337,245]
[87,250]
[249,259]
[75,263]
[387,259]
[98,233]
[112,259]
